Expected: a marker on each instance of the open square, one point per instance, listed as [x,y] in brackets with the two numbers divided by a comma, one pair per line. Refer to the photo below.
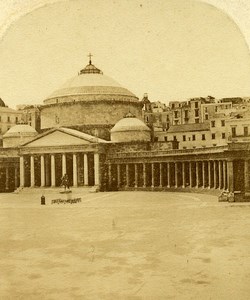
[124,245]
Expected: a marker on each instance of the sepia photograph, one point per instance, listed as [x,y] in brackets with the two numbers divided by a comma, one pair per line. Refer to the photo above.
[124,149]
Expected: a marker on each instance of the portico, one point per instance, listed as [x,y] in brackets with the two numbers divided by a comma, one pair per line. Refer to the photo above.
[44,160]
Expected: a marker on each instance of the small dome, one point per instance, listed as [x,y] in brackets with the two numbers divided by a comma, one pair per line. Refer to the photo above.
[2,104]
[22,129]
[18,135]
[129,123]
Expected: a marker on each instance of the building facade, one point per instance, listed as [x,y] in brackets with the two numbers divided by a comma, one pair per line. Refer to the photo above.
[92,129]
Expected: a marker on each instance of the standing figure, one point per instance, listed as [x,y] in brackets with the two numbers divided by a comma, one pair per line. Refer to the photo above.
[65,181]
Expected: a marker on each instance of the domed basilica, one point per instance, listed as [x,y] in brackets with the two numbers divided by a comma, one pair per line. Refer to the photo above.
[91,102]
[92,130]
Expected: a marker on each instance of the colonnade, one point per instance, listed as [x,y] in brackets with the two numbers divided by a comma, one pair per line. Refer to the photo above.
[193,174]
[48,170]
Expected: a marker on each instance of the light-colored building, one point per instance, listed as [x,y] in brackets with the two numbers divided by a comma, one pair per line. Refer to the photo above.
[31,115]
[8,118]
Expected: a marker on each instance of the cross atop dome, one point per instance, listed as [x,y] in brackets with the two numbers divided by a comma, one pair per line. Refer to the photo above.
[90,69]
[90,55]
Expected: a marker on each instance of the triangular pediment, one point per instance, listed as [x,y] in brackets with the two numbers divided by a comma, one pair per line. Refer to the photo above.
[62,137]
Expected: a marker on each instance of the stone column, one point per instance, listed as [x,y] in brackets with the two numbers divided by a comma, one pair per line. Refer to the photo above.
[220,174]
[215,174]
[127,175]
[75,179]
[118,175]
[16,177]
[96,168]
[32,171]
[7,178]
[176,174]
[246,174]
[224,174]
[183,175]
[144,175]
[209,174]
[109,175]
[42,171]
[47,171]
[197,174]
[230,176]
[21,170]
[153,175]
[168,172]
[136,176]
[161,175]
[86,169]
[203,175]
[53,170]
[64,168]
[190,175]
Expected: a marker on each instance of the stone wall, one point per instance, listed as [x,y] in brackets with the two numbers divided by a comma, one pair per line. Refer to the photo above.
[87,113]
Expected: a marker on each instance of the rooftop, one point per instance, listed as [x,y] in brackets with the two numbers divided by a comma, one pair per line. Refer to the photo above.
[189,127]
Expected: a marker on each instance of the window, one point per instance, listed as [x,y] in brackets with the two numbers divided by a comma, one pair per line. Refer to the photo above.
[206,117]
[186,113]
[165,138]
[196,104]
[233,131]
[184,138]
[176,122]
[216,108]
[172,105]
[212,123]
[196,113]
[223,135]
[213,136]
[222,123]
[8,119]
[16,120]
[193,137]
[176,114]
[203,137]
[175,139]
[245,131]
[205,109]
[197,120]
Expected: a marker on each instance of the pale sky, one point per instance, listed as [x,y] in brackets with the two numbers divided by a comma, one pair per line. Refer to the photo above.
[170,49]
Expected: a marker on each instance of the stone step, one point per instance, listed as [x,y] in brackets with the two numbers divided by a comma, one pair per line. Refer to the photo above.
[54,190]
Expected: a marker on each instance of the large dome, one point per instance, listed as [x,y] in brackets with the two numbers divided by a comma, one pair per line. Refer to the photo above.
[90,102]
[90,84]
